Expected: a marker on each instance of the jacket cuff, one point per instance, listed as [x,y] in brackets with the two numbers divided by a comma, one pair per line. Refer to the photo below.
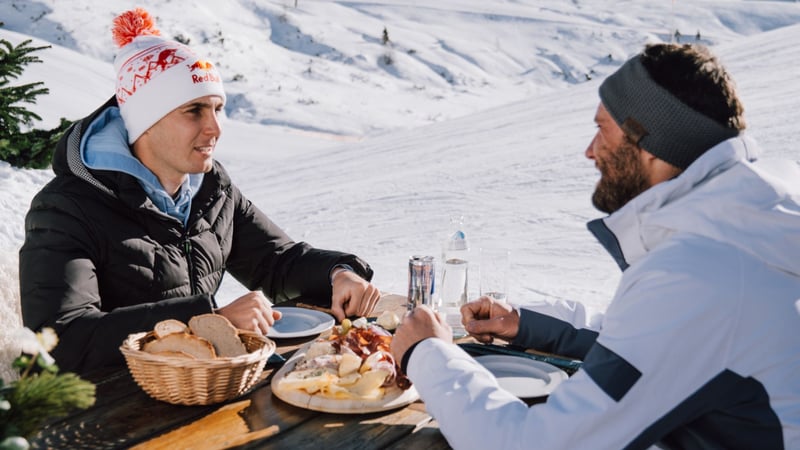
[542,332]
[333,271]
[407,356]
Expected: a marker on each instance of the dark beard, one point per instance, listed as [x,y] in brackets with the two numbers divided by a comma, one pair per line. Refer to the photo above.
[622,178]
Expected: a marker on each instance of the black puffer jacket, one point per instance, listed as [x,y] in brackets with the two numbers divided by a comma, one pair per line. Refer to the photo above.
[100,261]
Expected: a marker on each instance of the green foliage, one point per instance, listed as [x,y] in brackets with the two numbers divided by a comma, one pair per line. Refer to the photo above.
[33,148]
[12,62]
[40,393]
[46,396]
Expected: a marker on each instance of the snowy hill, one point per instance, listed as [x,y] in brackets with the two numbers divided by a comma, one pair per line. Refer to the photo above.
[487,117]
[325,65]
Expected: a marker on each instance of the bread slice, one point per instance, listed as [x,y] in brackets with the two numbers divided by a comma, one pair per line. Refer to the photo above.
[169,326]
[218,330]
[182,342]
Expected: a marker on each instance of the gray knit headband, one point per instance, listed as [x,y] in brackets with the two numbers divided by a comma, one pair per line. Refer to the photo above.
[656,119]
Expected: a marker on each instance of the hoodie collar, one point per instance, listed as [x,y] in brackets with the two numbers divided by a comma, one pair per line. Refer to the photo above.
[104,146]
[622,233]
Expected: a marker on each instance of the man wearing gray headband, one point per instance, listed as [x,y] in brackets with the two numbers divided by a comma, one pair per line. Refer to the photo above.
[699,346]
[672,127]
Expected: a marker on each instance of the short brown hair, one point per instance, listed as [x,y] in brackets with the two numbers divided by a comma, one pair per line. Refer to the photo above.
[697,78]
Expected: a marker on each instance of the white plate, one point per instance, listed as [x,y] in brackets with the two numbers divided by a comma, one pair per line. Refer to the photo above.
[523,377]
[299,322]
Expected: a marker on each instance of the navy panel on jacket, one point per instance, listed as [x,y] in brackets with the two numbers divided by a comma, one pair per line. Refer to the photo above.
[612,373]
[553,335]
[608,240]
[730,412]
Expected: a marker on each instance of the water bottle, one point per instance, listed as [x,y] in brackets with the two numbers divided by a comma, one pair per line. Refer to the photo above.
[454,285]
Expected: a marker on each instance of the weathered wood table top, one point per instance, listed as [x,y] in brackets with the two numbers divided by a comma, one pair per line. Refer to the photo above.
[124,416]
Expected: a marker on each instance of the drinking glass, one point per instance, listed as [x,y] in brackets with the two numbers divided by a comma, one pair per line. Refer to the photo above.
[493,269]
[454,293]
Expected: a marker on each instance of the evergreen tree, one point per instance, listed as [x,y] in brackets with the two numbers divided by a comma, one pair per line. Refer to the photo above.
[32,148]
[385,37]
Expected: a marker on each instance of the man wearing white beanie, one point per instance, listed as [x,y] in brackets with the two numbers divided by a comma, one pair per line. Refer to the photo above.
[155,75]
[141,223]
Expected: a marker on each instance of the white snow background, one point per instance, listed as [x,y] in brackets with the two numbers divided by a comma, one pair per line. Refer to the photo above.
[475,108]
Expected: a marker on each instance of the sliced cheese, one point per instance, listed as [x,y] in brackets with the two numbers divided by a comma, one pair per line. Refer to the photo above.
[349,363]
[369,385]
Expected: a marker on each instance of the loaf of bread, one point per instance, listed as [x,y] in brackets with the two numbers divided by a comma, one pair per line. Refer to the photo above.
[220,332]
[182,342]
[169,326]
[207,336]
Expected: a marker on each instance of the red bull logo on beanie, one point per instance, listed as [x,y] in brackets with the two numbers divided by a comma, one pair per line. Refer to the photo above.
[200,65]
[207,72]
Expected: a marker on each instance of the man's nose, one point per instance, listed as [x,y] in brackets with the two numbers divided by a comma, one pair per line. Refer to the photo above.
[589,152]
[212,125]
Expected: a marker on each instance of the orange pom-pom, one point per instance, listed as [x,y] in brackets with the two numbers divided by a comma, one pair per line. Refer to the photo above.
[130,24]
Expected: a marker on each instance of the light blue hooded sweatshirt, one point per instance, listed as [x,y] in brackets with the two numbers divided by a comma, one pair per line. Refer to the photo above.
[104,146]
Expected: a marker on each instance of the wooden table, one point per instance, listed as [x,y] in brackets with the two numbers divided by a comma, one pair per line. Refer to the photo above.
[124,416]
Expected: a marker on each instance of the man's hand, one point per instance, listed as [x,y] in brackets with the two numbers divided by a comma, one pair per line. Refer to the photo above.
[352,295]
[486,319]
[420,323]
[252,312]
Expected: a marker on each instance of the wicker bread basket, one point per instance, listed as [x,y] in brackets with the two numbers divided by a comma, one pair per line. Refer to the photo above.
[196,381]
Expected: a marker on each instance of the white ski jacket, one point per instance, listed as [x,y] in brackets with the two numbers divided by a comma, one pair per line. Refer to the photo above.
[699,348]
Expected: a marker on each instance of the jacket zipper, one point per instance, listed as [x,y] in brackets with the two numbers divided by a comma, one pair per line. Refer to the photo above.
[187,250]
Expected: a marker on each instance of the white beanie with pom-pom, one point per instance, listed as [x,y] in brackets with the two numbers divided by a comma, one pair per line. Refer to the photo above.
[156,75]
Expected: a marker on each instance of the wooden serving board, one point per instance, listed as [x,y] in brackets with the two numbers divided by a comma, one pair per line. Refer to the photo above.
[393,397]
